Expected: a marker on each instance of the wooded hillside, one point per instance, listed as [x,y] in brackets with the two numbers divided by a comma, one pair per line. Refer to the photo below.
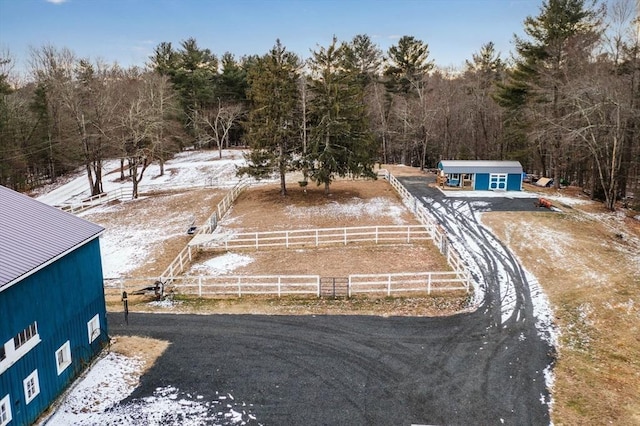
[566,105]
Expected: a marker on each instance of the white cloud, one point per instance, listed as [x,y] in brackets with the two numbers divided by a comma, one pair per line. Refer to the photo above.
[56,1]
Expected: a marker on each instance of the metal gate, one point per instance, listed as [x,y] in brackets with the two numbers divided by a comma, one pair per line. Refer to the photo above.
[334,287]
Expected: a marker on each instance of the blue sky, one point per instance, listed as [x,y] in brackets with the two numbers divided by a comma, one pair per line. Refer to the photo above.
[126,31]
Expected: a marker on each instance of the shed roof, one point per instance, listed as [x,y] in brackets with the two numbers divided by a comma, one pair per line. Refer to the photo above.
[480,166]
[33,233]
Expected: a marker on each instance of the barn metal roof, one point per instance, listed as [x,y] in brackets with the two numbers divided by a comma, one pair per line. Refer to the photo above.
[33,233]
[480,166]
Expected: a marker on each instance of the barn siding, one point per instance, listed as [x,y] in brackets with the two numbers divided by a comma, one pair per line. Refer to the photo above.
[62,298]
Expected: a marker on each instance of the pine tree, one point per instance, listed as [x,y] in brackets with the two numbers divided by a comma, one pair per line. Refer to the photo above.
[271,127]
[193,72]
[341,143]
[560,40]
[483,72]
[406,71]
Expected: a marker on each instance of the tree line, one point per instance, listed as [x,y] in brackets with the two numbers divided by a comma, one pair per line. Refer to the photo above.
[566,105]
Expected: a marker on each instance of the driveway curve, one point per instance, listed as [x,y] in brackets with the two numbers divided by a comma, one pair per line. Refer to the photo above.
[484,367]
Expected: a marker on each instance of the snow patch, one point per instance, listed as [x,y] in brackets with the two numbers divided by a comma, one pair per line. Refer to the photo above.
[97,398]
[568,201]
[356,208]
[222,264]
[111,379]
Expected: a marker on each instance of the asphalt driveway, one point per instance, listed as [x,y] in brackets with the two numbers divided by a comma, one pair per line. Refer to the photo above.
[345,370]
[486,367]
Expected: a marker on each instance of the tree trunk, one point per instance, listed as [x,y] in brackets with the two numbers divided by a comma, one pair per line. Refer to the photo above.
[282,170]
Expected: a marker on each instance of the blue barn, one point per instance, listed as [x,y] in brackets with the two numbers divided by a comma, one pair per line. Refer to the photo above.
[52,307]
[482,175]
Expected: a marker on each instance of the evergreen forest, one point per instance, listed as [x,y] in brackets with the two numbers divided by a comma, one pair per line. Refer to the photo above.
[565,103]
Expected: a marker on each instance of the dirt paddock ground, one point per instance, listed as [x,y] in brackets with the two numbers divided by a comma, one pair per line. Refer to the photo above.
[262,208]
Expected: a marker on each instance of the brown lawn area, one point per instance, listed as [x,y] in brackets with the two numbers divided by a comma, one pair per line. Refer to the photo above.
[585,258]
[588,262]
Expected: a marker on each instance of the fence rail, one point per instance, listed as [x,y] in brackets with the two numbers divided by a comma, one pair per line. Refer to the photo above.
[322,236]
[96,200]
[439,236]
[184,258]
[407,282]
[286,285]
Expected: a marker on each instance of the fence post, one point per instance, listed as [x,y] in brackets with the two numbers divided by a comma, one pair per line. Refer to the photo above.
[199,285]
[239,287]
[317,243]
[279,283]
[189,249]
[429,283]
[345,236]
[349,286]
[318,284]
[389,285]
[286,237]
[257,244]
[377,234]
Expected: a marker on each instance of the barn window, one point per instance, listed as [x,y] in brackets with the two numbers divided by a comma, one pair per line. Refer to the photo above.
[63,357]
[3,353]
[25,335]
[31,386]
[93,326]
[5,411]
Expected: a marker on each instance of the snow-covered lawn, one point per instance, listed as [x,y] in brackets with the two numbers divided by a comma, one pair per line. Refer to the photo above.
[94,400]
[188,169]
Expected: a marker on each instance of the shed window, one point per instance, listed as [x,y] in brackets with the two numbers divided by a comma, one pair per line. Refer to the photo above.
[5,411]
[63,357]
[3,353]
[31,386]
[93,326]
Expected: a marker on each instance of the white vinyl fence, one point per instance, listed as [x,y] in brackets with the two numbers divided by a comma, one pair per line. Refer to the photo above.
[183,260]
[288,285]
[96,200]
[439,237]
[322,236]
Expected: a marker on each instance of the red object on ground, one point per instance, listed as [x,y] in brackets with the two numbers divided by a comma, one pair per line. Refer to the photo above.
[543,202]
